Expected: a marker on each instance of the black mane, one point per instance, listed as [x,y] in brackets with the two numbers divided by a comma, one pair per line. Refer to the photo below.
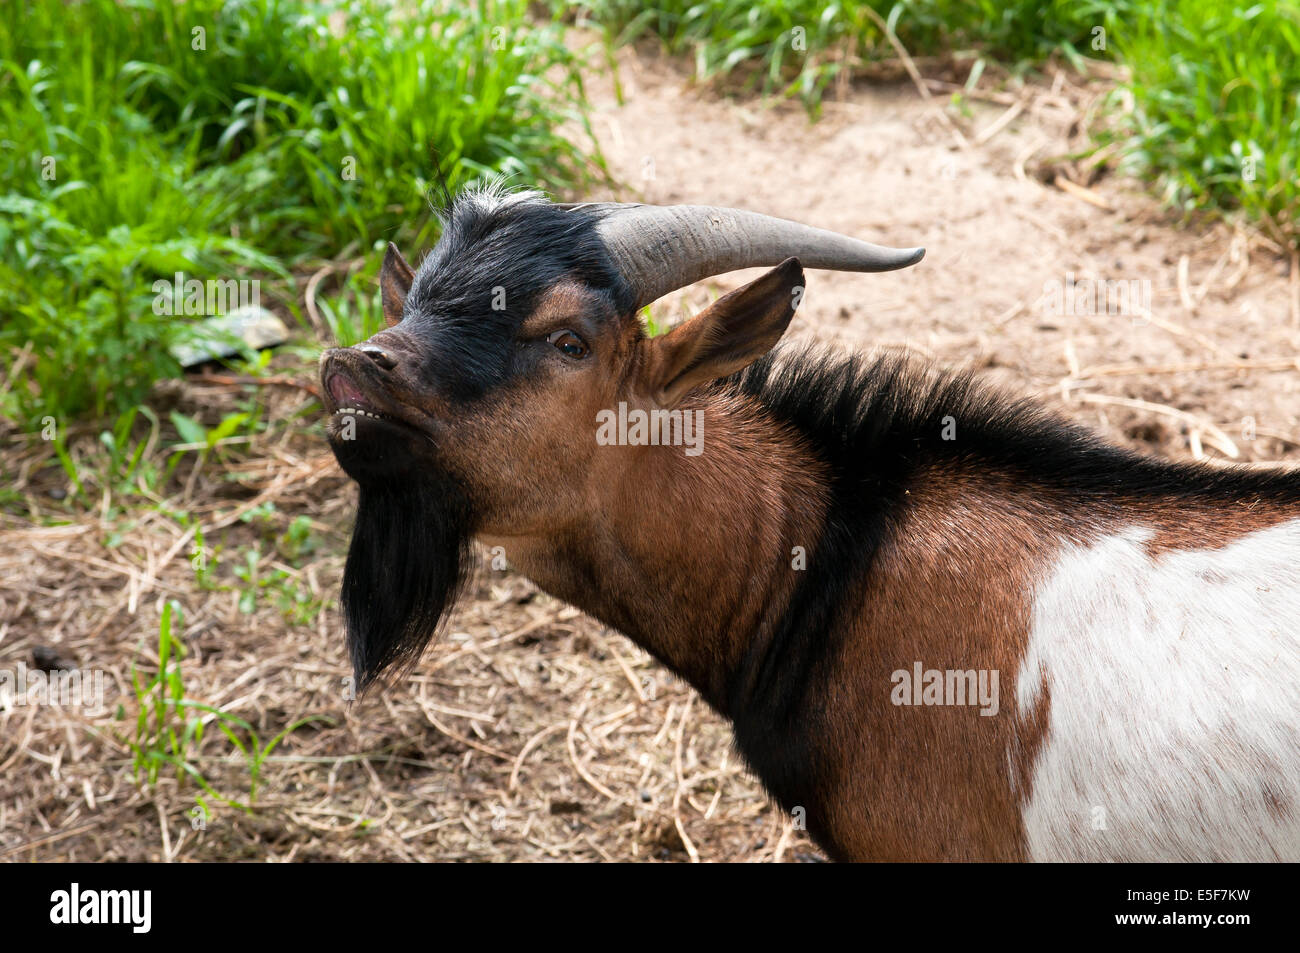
[879,422]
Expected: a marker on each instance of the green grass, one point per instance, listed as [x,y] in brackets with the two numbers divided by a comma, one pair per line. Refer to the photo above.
[1216,93]
[169,727]
[135,147]
[796,47]
[355,313]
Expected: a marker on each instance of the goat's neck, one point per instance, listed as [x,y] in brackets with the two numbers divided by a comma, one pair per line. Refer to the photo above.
[689,556]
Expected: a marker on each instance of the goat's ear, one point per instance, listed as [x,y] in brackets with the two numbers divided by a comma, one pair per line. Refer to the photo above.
[729,335]
[395,277]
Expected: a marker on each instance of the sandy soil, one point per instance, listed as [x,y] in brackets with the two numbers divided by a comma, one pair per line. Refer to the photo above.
[530,732]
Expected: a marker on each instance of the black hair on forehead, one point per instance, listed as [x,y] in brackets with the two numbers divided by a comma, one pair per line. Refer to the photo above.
[499,252]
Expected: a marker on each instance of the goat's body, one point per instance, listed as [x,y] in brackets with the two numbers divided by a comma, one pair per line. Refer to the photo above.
[1147,670]
[1148,703]
[1143,620]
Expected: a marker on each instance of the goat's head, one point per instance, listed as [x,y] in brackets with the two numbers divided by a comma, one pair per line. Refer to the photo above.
[474,411]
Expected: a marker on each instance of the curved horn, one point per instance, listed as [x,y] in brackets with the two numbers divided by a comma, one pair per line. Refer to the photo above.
[660,248]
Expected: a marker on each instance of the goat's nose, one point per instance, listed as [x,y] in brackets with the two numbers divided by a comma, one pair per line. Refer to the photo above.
[378,355]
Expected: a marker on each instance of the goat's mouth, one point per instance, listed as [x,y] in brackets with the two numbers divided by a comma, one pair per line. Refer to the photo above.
[372,439]
[347,400]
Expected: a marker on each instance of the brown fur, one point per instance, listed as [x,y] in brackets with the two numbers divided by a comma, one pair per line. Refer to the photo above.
[675,551]
[950,590]
[1178,528]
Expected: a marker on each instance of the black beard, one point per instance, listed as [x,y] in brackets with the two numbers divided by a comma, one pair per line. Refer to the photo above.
[408,561]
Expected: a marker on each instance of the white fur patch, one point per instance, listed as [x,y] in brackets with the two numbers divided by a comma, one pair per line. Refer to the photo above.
[1174,726]
[494,192]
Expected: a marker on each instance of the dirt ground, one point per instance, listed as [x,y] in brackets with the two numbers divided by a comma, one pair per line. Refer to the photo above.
[530,732]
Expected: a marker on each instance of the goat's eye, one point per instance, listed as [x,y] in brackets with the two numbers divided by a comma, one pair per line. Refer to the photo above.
[568,342]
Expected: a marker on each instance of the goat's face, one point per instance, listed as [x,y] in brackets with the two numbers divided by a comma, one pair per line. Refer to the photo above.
[463,415]
[497,357]
[495,367]
[476,410]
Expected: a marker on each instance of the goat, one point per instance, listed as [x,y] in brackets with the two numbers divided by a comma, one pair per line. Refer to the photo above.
[863,554]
